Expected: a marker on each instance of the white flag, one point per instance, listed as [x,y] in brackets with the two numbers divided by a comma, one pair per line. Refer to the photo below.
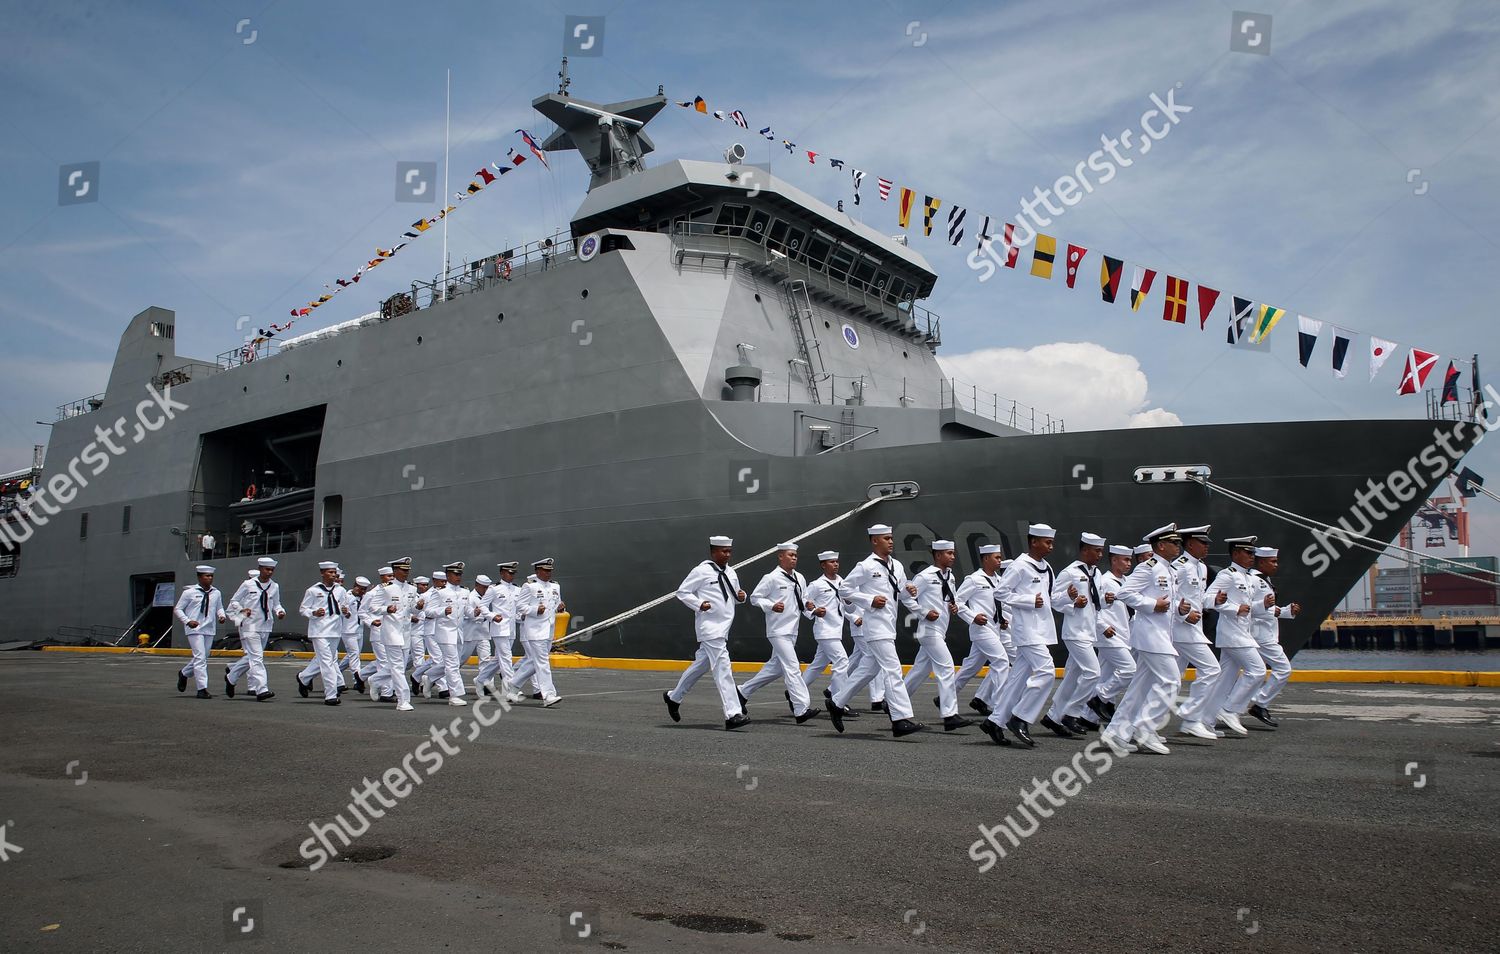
[1380,349]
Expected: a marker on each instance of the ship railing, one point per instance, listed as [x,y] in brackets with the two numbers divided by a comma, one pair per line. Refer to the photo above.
[80,406]
[254,349]
[505,266]
[1463,409]
[718,244]
[974,399]
[183,374]
[262,544]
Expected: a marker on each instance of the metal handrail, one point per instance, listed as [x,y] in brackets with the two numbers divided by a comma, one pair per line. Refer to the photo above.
[1001,410]
[81,406]
[542,255]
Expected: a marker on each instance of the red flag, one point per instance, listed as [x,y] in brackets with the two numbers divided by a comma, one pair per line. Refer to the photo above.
[1207,298]
[486,175]
[1419,364]
[1450,384]
[812,157]
[1011,252]
[1075,258]
[1175,308]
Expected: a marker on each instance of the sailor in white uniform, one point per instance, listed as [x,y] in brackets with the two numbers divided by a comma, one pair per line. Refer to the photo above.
[977,607]
[427,666]
[466,644]
[828,622]
[443,605]
[374,676]
[937,605]
[387,609]
[313,669]
[354,634]
[712,591]
[1151,591]
[200,610]
[989,692]
[1233,595]
[877,586]
[323,607]
[475,629]
[236,670]
[1116,662]
[1142,553]
[1267,629]
[537,606]
[1076,595]
[258,605]
[1026,590]
[500,603]
[1187,635]
[782,596]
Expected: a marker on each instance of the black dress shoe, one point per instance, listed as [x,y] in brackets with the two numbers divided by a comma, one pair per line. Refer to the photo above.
[534,695]
[302,688]
[331,702]
[228,686]
[790,707]
[359,684]
[902,727]
[181,682]
[1074,725]
[1100,708]
[954,722]
[851,714]
[1264,715]
[674,709]
[416,686]
[809,714]
[342,689]
[937,702]
[744,703]
[443,694]
[203,694]
[879,707]
[835,714]
[1056,729]
[266,696]
[1085,725]
[1019,730]
[737,721]
[996,734]
[980,706]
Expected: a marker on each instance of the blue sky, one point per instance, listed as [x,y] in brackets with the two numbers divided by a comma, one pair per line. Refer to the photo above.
[1348,175]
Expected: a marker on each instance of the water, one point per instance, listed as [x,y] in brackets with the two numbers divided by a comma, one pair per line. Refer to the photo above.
[1446,659]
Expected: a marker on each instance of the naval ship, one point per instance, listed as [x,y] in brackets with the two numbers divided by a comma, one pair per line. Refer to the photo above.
[706,350]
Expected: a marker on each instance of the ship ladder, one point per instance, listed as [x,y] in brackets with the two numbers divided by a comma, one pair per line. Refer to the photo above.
[799,309]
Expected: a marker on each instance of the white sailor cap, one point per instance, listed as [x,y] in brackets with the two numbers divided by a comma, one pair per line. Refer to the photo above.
[545,563]
[1266,553]
[455,565]
[328,565]
[266,562]
[482,580]
[1242,543]
[1141,549]
[989,548]
[720,541]
[511,566]
[422,579]
[385,571]
[361,581]
[440,575]
[1117,550]
[1196,533]
[252,574]
[1006,563]
[203,569]
[1091,539]
[941,545]
[1168,532]
[1041,530]
[827,555]
[879,530]
[786,548]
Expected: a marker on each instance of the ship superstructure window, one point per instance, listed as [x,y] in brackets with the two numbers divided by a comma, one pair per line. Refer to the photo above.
[257,480]
[333,520]
[83,525]
[10,558]
[760,220]
[162,329]
[732,219]
[864,269]
[817,249]
[841,262]
[125,519]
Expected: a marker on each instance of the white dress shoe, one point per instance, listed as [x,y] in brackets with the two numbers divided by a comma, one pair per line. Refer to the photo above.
[404,707]
[549,703]
[456,701]
[1231,722]
[1153,744]
[1198,730]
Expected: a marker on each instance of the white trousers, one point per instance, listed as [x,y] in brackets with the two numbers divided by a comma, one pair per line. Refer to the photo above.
[354,644]
[1151,695]
[197,667]
[537,665]
[501,661]
[1241,673]
[1205,679]
[1080,679]
[254,645]
[1116,669]
[482,651]
[936,658]
[970,667]
[390,679]
[712,656]
[326,655]
[1281,673]
[830,654]
[992,651]
[877,685]
[1025,691]
[313,669]
[377,674]
[446,662]
[782,665]
[878,662]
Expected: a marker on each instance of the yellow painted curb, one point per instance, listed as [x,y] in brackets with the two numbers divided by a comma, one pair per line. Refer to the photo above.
[1418,677]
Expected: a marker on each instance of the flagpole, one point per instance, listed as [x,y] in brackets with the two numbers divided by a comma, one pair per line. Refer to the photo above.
[447,124]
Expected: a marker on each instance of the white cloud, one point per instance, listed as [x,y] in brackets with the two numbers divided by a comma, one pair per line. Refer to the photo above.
[1089,386]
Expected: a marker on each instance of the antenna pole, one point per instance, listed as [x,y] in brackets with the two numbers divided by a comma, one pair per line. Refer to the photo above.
[562,77]
[447,125]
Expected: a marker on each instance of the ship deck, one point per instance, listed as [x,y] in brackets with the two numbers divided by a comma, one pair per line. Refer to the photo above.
[145,818]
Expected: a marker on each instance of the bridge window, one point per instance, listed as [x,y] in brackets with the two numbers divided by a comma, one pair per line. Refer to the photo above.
[840,261]
[732,219]
[864,269]
[817,249]
[898,291]
[759,220]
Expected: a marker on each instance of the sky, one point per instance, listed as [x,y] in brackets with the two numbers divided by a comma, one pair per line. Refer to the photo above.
[1339,164]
